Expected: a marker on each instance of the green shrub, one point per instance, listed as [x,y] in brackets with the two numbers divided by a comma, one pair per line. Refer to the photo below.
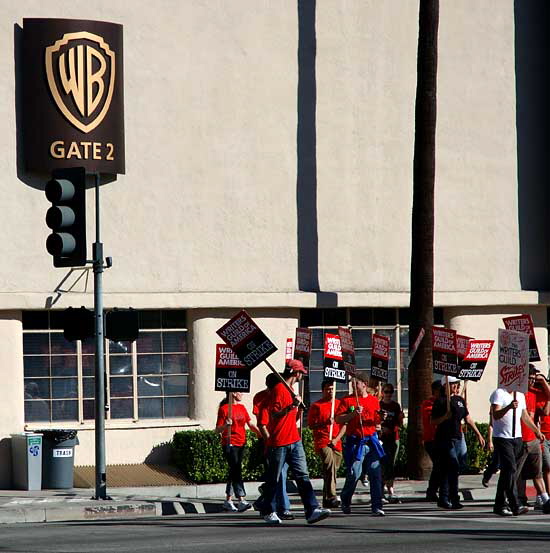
[198,454]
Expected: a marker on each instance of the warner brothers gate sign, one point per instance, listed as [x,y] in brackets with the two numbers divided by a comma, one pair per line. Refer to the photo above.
[72,95]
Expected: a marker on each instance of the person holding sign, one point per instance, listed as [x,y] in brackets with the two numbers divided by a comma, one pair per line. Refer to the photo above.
[231,424]
[448,414]
[507,412]
[530,464]
[326,441]
[360,412]
[286,446]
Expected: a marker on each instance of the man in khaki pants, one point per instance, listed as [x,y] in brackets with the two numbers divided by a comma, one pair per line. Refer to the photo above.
[329,448]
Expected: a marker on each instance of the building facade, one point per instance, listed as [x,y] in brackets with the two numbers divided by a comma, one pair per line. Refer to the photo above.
[269,167]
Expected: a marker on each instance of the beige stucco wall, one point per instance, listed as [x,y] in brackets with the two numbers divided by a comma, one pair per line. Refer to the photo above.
[209,199]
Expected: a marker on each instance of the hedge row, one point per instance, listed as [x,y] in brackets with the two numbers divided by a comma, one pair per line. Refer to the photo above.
[198,454]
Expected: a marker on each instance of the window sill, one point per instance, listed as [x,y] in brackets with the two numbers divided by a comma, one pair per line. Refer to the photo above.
[122,424]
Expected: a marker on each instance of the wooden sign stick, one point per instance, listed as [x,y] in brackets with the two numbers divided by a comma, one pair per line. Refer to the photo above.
[230,415]
[332,414]
[514,418]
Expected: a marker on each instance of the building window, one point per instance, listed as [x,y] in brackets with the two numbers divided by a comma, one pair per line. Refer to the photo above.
[146,379]
[365,322]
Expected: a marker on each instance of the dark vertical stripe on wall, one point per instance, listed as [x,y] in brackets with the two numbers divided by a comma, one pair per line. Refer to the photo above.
[532,65]
[306,184]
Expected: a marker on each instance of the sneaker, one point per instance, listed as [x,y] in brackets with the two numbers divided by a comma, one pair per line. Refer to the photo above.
[485,482]
[456,505]
[272,518]
[333,503]
[228,505]
[286,515]
[392,498]
[317,515]
[346,509]
[539,503]
[384,501]
[444,504]
[243,505]
[546,508]
[502,511]
[365,483]
[378,513]
[521,511]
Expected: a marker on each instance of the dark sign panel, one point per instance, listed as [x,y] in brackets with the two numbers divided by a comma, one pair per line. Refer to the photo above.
[348,350]
[302,347]
[380,357]
[524,323]
[462,346]
[333,362]
[72,95]
[444,351]
[231,374]
[246,339]
[475,359]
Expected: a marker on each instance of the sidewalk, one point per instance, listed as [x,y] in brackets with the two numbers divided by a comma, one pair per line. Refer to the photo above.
[18,506]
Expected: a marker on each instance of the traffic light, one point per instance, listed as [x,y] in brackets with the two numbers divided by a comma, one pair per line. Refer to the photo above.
[78,324]
[66,190]
[122,325]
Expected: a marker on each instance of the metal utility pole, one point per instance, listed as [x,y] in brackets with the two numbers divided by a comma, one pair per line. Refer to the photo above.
[100,466]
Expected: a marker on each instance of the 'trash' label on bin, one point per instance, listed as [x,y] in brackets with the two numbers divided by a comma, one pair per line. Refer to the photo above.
[63,452]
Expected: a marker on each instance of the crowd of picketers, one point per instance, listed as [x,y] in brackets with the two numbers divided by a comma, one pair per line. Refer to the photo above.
[362,430]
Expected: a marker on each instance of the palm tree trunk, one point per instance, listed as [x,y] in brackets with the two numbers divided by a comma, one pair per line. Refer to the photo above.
[422,277]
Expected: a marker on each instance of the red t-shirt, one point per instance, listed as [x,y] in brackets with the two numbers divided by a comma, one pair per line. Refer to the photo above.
[369,417]
[527,435]
[282,430]
[544,420]
[257,401]
[428,428]
[240,417]
[319,413]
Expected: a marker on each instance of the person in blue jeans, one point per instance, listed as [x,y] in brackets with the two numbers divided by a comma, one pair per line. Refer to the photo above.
[448,416]
[286,447]
[360,412]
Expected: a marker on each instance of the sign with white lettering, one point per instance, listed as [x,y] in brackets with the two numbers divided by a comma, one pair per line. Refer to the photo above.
[333,362]
[302,346]
[444,351]
[72,95]
[380,357]
[513,360]
[246,339]
[475,359]
[232,375]
[348,350]
[524,323]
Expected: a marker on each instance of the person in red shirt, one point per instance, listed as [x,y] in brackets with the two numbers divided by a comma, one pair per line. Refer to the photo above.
[286,446]
[281,503]
[327,444]
[543,412]
[530,464]
[428,437]
[360,412]
[233,434]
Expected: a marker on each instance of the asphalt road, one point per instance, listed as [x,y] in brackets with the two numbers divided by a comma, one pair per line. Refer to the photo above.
[407,528]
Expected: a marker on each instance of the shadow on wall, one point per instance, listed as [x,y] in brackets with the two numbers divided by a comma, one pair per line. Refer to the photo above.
[161,454]
[532,65]
[306,145]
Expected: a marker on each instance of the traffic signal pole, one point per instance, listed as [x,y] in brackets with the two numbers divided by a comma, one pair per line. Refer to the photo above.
[100,466]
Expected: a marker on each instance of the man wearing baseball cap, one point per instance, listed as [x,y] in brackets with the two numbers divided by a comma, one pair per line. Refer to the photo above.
[286,446]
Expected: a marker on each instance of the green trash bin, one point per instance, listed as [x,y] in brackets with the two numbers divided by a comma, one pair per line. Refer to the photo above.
[58,459]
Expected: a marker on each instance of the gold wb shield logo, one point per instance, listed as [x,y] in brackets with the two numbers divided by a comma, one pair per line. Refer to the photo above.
[80,68]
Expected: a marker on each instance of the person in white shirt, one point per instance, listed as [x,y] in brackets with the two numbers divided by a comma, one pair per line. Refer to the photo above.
[509,446]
